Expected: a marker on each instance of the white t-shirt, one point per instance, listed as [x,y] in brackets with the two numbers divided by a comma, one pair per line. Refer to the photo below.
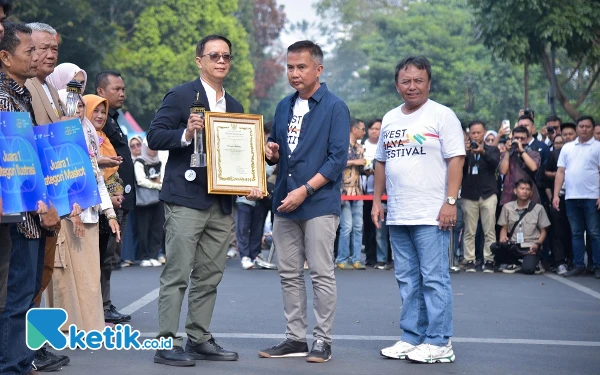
[581,162]
[414,148]
[300,109]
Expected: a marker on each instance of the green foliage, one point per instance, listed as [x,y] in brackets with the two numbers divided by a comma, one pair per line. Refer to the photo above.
[465,75]
[526,30]
[160,52]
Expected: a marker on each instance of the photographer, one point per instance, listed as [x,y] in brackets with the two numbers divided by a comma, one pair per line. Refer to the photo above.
[526,223]
[519,162]
[478,195]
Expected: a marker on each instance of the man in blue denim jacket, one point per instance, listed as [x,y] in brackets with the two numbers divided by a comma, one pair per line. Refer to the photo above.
[309,143]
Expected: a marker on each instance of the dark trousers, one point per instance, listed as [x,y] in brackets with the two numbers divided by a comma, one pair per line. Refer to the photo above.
[369,234]
[5,250]
[108,240]
[150,220]
[26,259]
[130,242]
[529,262]
[562,250]
[249,229]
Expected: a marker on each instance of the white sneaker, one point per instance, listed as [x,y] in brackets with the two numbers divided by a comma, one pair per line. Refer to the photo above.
[155,263]
[562,269]
[398,350]
[262,263]
[145,263]
[427,353]
[539,269]
[162,259]
[247,263]
[232,253]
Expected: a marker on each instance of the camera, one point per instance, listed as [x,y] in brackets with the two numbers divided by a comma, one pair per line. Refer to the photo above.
[529,113]
[550,129]
[474,145]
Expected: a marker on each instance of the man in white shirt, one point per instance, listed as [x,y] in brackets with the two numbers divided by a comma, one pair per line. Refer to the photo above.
[420,157]
[578,166]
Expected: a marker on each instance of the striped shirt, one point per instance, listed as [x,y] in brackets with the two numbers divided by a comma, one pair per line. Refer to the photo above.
[15,98]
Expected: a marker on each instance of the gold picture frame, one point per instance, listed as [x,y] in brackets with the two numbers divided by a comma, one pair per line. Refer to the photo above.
[235,153]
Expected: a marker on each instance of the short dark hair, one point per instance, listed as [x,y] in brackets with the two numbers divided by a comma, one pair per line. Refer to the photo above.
[524,181]
[568,125]
[206,39]
[10,41]
[355,122]
[419,62]
[476,122]
[372,122]
[553,118]
[316,53]
[521,129]
[525,117]
[102,78]
[6,6]
[586,117]
[267,126]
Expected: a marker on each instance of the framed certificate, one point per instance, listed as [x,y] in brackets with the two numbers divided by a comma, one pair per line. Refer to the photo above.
[235,153]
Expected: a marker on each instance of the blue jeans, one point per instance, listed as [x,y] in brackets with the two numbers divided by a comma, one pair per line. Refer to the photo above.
[381,237]
[583,216]
[15,357]
[421,269]
[249,229]
[351,230]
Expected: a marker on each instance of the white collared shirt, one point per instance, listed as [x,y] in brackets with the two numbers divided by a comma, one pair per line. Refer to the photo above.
[581,162]
[214,105]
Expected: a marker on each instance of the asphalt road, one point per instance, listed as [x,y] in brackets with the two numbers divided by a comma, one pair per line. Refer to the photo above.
[503,324]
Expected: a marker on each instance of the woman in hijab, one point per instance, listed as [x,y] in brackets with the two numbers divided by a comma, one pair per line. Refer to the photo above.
[75,284]
[66,72]
[149,211]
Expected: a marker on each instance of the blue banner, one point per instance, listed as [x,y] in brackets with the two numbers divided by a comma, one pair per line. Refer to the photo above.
[66,166]
[21,178]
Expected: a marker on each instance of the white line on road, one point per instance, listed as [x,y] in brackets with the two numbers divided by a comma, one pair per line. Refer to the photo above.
[395,338]
[136,305]
[574,285]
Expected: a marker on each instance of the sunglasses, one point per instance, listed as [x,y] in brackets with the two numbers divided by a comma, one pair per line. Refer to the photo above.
[135,145]
[217,56]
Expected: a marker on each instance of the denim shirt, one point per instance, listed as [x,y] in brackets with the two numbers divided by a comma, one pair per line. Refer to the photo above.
[322,148]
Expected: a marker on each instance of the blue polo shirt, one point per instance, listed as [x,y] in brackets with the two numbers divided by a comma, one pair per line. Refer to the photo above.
[322,148]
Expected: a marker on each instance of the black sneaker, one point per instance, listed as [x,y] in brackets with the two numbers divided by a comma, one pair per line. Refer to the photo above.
[488,267]
[47,361]
[470,266]
[379,266]
[286,348]
[320,352]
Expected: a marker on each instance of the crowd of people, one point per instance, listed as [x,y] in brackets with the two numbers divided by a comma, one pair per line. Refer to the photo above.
[516,199]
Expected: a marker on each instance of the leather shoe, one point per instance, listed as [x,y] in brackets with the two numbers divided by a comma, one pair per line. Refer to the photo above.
[210,351]
[124,317]
[576,271]
[48,361]
[174,357]
[111,317]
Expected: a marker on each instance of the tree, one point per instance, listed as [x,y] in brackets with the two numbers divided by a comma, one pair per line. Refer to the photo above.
[465,77]
[160,52]
[88,31]
[529,30]
[263,21]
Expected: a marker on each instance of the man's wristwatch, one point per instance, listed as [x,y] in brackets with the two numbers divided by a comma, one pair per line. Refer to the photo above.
[309,189]
[451,201]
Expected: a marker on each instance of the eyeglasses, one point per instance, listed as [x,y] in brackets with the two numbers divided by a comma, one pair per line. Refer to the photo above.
[361,129]
[217,56]
[135,145]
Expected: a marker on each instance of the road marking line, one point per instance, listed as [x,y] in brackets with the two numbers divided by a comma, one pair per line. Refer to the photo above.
[574,285]
[136,305]
[395,338]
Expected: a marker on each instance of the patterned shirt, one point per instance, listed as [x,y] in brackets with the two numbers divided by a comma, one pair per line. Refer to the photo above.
[15,98]
[351,183]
